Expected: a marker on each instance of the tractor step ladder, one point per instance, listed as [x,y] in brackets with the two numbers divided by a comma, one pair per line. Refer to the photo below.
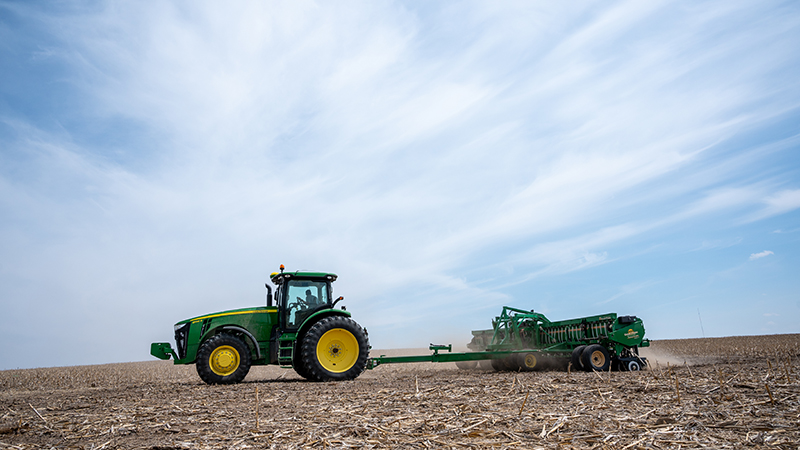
[285,353]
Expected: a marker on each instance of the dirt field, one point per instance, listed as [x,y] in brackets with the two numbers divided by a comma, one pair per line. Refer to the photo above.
[740,392]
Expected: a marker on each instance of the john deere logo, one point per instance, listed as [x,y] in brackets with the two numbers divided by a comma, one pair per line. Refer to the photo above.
[632,334]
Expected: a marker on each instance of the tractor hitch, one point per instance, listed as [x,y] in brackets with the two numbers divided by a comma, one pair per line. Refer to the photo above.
[162,350]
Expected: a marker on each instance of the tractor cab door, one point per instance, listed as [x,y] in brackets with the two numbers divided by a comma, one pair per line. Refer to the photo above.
[301,298]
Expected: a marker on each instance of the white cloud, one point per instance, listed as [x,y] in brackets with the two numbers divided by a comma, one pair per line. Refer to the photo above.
[759,255]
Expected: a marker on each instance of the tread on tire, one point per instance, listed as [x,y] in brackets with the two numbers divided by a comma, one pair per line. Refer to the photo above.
[596,357]
[347,344]
[236,355]
[577,363]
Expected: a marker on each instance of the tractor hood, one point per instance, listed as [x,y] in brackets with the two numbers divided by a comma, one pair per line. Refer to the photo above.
[231,312]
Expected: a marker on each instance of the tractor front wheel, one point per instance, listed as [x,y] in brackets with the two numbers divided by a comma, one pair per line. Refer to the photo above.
[335,349]
[223,359]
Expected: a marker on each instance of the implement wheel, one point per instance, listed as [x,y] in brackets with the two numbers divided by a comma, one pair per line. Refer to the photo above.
[498,365]
[335,349]
[633,366]
[577,364]
[223,359]
[467,365]
[506,363]
[595,357]
[511,363]
[527,361]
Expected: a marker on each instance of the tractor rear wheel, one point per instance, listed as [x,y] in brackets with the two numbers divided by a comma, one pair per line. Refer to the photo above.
[223,359]
[299,367]
[577,364]
[595,357]
[335,349]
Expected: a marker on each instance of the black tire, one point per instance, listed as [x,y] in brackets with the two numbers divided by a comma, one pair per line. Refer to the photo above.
[633,366]
[595,357]
[527,361]
[577,364]
[335,349]
[466,365]
[511,363]
[498,365]
[298,366]
[505,364]
[485,364]
[223,359]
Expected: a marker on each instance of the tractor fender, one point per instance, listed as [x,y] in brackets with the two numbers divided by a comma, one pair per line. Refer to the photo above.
[222,329]
[246,333]
[316,317]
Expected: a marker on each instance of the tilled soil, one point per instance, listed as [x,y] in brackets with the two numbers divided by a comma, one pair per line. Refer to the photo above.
[721,400]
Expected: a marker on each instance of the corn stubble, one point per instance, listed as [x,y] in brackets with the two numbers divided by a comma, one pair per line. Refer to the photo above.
[716,393]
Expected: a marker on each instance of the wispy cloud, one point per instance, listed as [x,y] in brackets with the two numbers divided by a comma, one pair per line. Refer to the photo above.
[780,203]
[627,290]
[759,255]
[781,231]
[718,244]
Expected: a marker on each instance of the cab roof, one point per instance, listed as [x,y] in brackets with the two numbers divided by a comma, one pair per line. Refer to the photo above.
[279,278]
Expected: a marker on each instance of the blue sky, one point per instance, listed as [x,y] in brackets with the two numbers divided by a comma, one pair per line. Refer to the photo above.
[158,160]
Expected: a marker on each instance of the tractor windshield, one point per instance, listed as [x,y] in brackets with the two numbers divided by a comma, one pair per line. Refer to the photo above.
[303,297]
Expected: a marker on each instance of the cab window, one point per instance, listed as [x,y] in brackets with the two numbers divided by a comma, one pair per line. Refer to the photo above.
[303,298]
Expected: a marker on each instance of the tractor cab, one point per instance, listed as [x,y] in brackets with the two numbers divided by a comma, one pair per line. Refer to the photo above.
[301,294]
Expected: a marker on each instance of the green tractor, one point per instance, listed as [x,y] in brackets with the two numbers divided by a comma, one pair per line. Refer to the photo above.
[303,331]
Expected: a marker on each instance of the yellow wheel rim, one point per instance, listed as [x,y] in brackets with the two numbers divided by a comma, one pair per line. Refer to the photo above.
[598,358]
[337,350]
[224,360]
[530,361]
